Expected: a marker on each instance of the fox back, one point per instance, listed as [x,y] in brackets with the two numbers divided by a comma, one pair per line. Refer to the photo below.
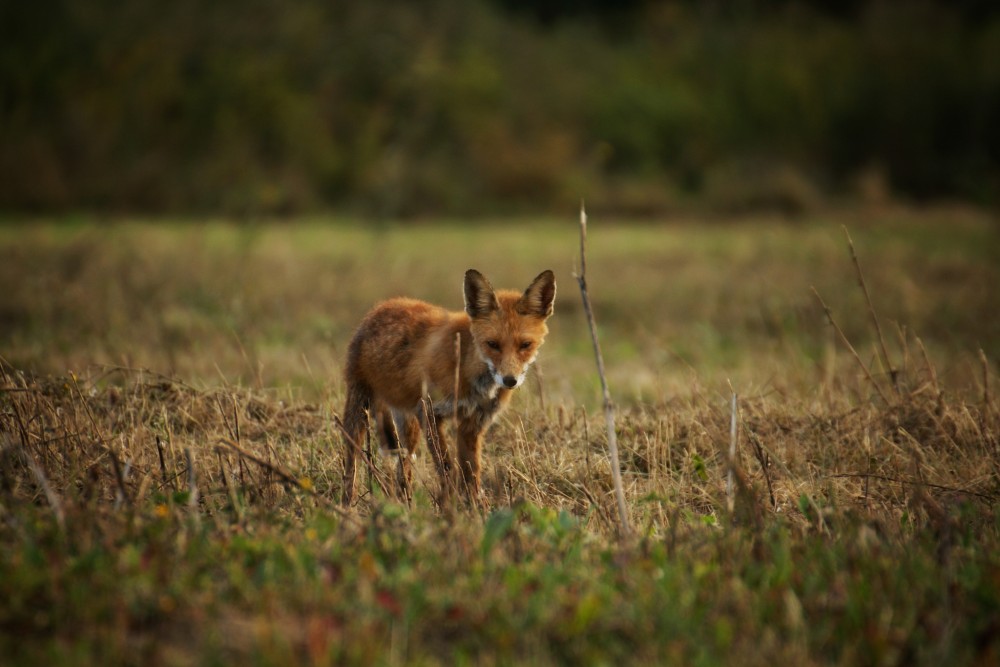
[421,363]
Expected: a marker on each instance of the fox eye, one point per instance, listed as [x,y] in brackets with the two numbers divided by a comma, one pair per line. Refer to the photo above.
[526,345]
[493,345]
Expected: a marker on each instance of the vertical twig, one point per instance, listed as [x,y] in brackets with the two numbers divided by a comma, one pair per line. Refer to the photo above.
[47,489]
[765,463]
[871,460]
[236,420]
[375,474]
[986,379]
[163,464]
[458,378]
[222,472]
[609,410]
[893,374]
[192,479]
[439,451]
[730,498]
[454,414]
[930,366]
[843,337]
[539,385]
[230,491]
[402,456]
[119,480]
[121,496]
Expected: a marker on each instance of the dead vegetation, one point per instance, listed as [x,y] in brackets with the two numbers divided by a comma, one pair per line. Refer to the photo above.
[126,438]
[149,506]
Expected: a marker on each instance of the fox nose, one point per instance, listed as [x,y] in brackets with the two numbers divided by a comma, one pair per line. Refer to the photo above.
[509,381]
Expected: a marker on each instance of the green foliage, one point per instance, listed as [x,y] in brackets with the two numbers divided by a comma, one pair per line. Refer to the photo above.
[392,108]
[409,587]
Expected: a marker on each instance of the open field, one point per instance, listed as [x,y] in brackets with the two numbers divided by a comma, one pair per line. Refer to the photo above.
[170,463]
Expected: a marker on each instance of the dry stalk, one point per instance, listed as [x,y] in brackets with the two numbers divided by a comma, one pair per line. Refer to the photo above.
[986,379]
[458,378]
[373,470]
[730,499]
[931,370]
[893,373]
[192,479]
[230,491]
[990,498]
[163,465]
[601,509]
[609,410]
[768,456]
[236,419]
[439,449]
[854,353]
[119,480]
[47,489]
[285,476]
[762,458]
[405,478]
[121,496]
[102,440]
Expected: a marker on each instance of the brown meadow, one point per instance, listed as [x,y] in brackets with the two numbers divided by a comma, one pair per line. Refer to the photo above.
[171,460]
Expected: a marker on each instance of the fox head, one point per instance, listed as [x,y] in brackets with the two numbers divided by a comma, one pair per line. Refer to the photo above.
[508,326]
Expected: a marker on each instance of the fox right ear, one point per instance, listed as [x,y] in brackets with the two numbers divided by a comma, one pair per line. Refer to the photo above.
[540,296]
[479,297]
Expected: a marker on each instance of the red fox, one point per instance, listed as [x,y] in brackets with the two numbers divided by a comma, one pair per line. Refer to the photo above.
[401,362]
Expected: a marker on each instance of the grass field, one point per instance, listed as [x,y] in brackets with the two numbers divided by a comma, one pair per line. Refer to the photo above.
[170,464]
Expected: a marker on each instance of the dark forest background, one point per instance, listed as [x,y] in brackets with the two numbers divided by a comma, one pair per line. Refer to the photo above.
[459,107]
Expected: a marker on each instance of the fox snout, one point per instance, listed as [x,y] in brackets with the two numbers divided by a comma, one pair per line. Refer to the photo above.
[506,379]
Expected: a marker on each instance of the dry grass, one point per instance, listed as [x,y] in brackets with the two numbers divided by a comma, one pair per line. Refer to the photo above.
[223,492]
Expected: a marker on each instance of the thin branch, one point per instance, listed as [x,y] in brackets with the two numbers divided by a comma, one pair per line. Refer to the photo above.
[122,494]
[986,379]
[458,379]
[912,482]
[50,493]
[930,366]
[762,458]
[192,479]
[284,475]
[730,499]
[893,373]
[375,472]
[609,411]
[163,465]
[843,337]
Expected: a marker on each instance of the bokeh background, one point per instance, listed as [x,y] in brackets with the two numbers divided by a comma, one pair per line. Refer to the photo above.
[199,200]
[389,108]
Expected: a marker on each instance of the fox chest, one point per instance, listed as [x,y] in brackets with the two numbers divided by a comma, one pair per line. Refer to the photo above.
[480,405]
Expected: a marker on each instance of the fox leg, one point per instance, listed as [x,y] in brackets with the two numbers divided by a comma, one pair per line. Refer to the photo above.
[387,429]
[410,436]
[470,442]
[359,400]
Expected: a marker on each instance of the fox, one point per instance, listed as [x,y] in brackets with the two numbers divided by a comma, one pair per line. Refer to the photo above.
[401,369]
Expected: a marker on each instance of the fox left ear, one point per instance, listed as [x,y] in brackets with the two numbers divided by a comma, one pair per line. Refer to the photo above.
[539,299]
[479,297]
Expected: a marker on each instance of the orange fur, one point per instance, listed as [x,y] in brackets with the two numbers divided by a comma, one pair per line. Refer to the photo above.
[401,365]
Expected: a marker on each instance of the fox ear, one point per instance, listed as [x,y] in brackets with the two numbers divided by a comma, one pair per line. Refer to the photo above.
[479,297]
[539,299]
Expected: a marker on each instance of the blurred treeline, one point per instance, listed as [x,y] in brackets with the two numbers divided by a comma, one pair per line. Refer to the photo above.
[396,107]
